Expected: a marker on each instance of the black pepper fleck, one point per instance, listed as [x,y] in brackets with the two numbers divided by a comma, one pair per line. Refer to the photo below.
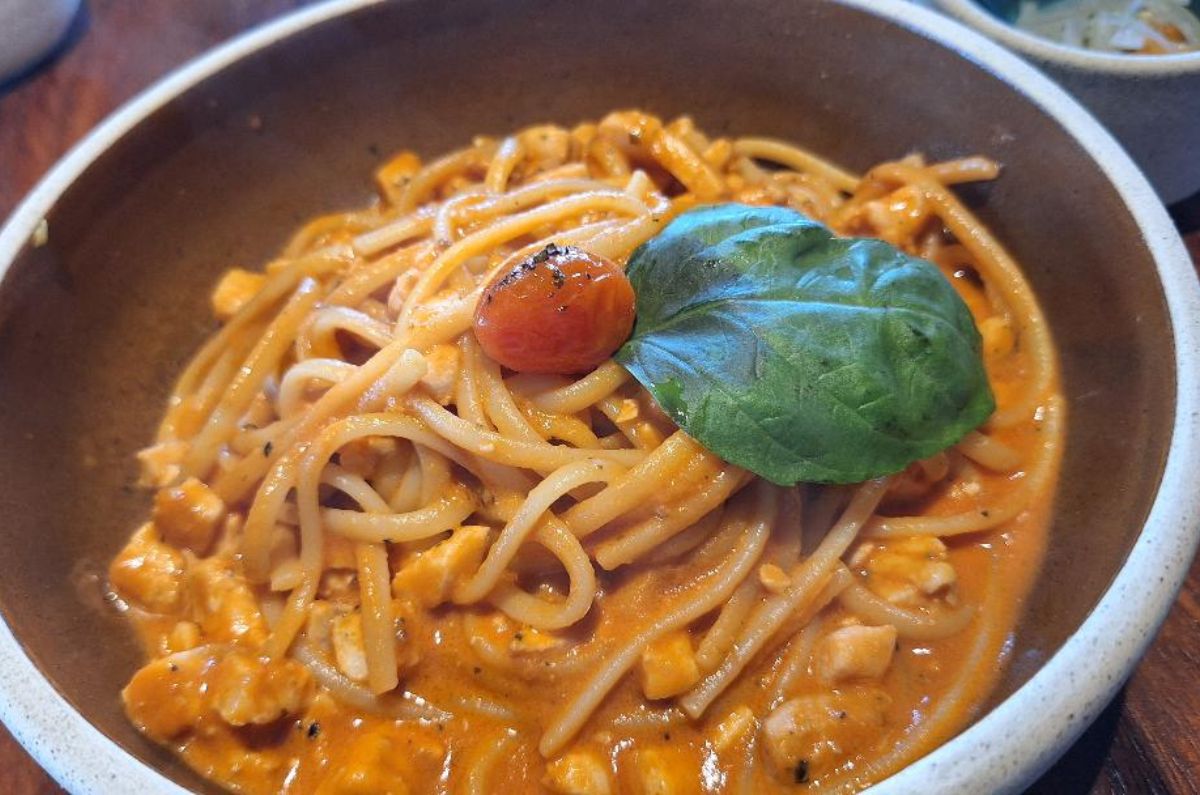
[800,774]
[314,729]
[517,272]
[549,251]
[267,448]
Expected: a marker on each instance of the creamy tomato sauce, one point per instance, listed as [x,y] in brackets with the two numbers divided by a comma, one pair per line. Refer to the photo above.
[472,661]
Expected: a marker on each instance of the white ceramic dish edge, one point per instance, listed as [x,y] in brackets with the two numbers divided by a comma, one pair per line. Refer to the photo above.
[987,757]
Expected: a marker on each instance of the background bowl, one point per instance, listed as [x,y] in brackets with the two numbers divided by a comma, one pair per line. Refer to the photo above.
[1151,103]
[29,29]
[215,165]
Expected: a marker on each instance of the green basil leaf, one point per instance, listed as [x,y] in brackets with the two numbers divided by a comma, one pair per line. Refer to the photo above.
[799,355]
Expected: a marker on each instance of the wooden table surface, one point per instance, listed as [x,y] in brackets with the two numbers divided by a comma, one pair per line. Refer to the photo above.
[1147,741]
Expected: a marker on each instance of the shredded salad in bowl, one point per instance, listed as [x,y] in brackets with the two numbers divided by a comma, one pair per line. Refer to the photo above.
[1141,27]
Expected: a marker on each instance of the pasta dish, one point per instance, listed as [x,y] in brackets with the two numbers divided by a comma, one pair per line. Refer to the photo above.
[612,458]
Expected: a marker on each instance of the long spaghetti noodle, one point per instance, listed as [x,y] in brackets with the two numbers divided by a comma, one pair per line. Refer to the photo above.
[377,558]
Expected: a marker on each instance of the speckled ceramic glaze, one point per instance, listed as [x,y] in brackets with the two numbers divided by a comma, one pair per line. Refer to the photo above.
[1150,103]
[217,163]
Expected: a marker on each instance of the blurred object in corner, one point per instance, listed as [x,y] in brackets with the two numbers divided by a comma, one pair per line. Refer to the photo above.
[1149,101]
[29,30]
[1134,27]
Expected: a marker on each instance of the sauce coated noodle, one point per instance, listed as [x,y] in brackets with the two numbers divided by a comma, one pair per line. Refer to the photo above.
[380,562]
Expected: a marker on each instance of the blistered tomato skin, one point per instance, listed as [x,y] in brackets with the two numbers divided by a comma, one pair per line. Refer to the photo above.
[562,311]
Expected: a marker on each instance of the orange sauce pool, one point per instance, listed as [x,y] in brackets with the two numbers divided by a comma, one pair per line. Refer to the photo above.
[933,689]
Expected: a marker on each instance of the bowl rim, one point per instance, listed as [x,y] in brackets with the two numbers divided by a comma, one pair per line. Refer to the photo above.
[1093,661]
[1066,55]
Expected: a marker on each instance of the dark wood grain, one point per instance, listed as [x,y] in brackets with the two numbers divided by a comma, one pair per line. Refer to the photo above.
[1147,741]
[19,774]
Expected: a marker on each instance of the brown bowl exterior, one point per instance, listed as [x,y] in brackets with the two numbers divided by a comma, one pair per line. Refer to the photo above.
[95,325]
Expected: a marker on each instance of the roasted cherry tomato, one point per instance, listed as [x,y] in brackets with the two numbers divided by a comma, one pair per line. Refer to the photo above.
[563,310]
